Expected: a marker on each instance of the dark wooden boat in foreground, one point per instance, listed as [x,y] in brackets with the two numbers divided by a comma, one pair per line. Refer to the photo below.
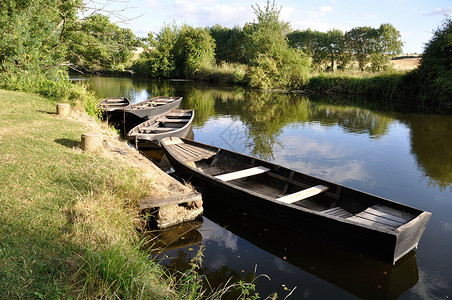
[153,107]
[345,217]
[175,123]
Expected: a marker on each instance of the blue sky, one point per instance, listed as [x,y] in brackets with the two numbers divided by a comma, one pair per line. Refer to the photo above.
[415,19]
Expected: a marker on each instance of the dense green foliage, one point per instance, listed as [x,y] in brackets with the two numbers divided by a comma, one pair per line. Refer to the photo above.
[435,71]
[99,45]
[228,43]
[177,52]
[273,63]
[371,48]
[33,46]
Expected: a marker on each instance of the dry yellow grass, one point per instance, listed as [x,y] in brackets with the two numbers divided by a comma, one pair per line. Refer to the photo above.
[408,63]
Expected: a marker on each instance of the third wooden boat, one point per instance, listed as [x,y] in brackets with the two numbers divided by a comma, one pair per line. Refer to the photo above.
[153,107]
[175,123]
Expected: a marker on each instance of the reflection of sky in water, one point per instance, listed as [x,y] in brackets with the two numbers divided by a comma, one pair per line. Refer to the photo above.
[384,166]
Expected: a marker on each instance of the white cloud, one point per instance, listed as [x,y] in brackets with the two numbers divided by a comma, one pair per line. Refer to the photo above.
[325,9]
[441,11]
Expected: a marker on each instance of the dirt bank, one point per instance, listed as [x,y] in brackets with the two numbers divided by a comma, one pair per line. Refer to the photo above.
[116,148]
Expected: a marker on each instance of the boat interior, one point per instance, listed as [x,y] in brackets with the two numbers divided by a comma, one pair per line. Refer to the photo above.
[168,122]
[291,187]
[153,103]
[114,103]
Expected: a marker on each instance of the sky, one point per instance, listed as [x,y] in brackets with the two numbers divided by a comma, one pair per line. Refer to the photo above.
[415,19]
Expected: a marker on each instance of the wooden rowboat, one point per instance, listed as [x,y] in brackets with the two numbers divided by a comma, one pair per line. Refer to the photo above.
[112,104]
[361,222]
[175,123]
[153,107]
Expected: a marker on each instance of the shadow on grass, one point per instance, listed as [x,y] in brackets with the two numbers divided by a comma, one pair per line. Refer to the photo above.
[68,143]
[47,112]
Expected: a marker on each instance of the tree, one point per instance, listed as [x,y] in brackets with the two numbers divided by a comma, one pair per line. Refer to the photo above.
[194,49]
[98,44]
[229,43]
[324,48]
[358,43]
[34,34]
[386,45]
[273,63]
[160,60]
[334,46]
[266,34]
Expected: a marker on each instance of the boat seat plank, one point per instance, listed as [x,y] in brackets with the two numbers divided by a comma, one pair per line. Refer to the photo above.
[303,194]
[337,212]
[196,154]
[173,120]
[185,155]
[242,173]
[386,215]
[378,219]
[173,141]
[182,114]
[371,223]
[392,211]
[164,129]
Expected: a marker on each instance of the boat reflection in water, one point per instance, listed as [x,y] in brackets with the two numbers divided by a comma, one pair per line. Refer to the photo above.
[289,258]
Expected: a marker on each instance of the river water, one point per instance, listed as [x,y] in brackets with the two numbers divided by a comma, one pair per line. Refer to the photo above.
[406,157]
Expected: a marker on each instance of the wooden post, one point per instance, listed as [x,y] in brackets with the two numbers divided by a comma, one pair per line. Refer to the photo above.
[63,109]
[91,141]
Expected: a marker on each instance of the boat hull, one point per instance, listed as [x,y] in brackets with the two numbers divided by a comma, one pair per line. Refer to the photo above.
[385,245]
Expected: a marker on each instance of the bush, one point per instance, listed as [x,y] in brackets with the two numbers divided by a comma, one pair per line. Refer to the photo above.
[286,69]
[435,70]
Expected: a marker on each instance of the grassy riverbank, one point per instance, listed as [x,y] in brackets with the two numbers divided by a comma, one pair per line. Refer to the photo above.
[67,218]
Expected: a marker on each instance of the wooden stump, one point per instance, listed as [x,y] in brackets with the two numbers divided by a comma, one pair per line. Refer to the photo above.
[63,109]
[91,141]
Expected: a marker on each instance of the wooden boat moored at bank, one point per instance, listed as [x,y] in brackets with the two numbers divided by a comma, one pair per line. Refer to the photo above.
[113,103]
[153,107]
[175,123]
[361,222]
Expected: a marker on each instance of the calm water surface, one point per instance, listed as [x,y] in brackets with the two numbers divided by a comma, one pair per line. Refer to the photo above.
[401,156]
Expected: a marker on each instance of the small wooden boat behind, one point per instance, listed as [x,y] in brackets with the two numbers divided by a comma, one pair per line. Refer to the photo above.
[111,104]
[153,107]
[175,123]
[363,223]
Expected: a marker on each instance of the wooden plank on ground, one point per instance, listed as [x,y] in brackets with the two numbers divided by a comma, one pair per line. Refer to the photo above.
[303,194]
[150,202]
[242,173]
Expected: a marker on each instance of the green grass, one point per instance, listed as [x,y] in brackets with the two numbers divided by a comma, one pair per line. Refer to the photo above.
[67,222]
